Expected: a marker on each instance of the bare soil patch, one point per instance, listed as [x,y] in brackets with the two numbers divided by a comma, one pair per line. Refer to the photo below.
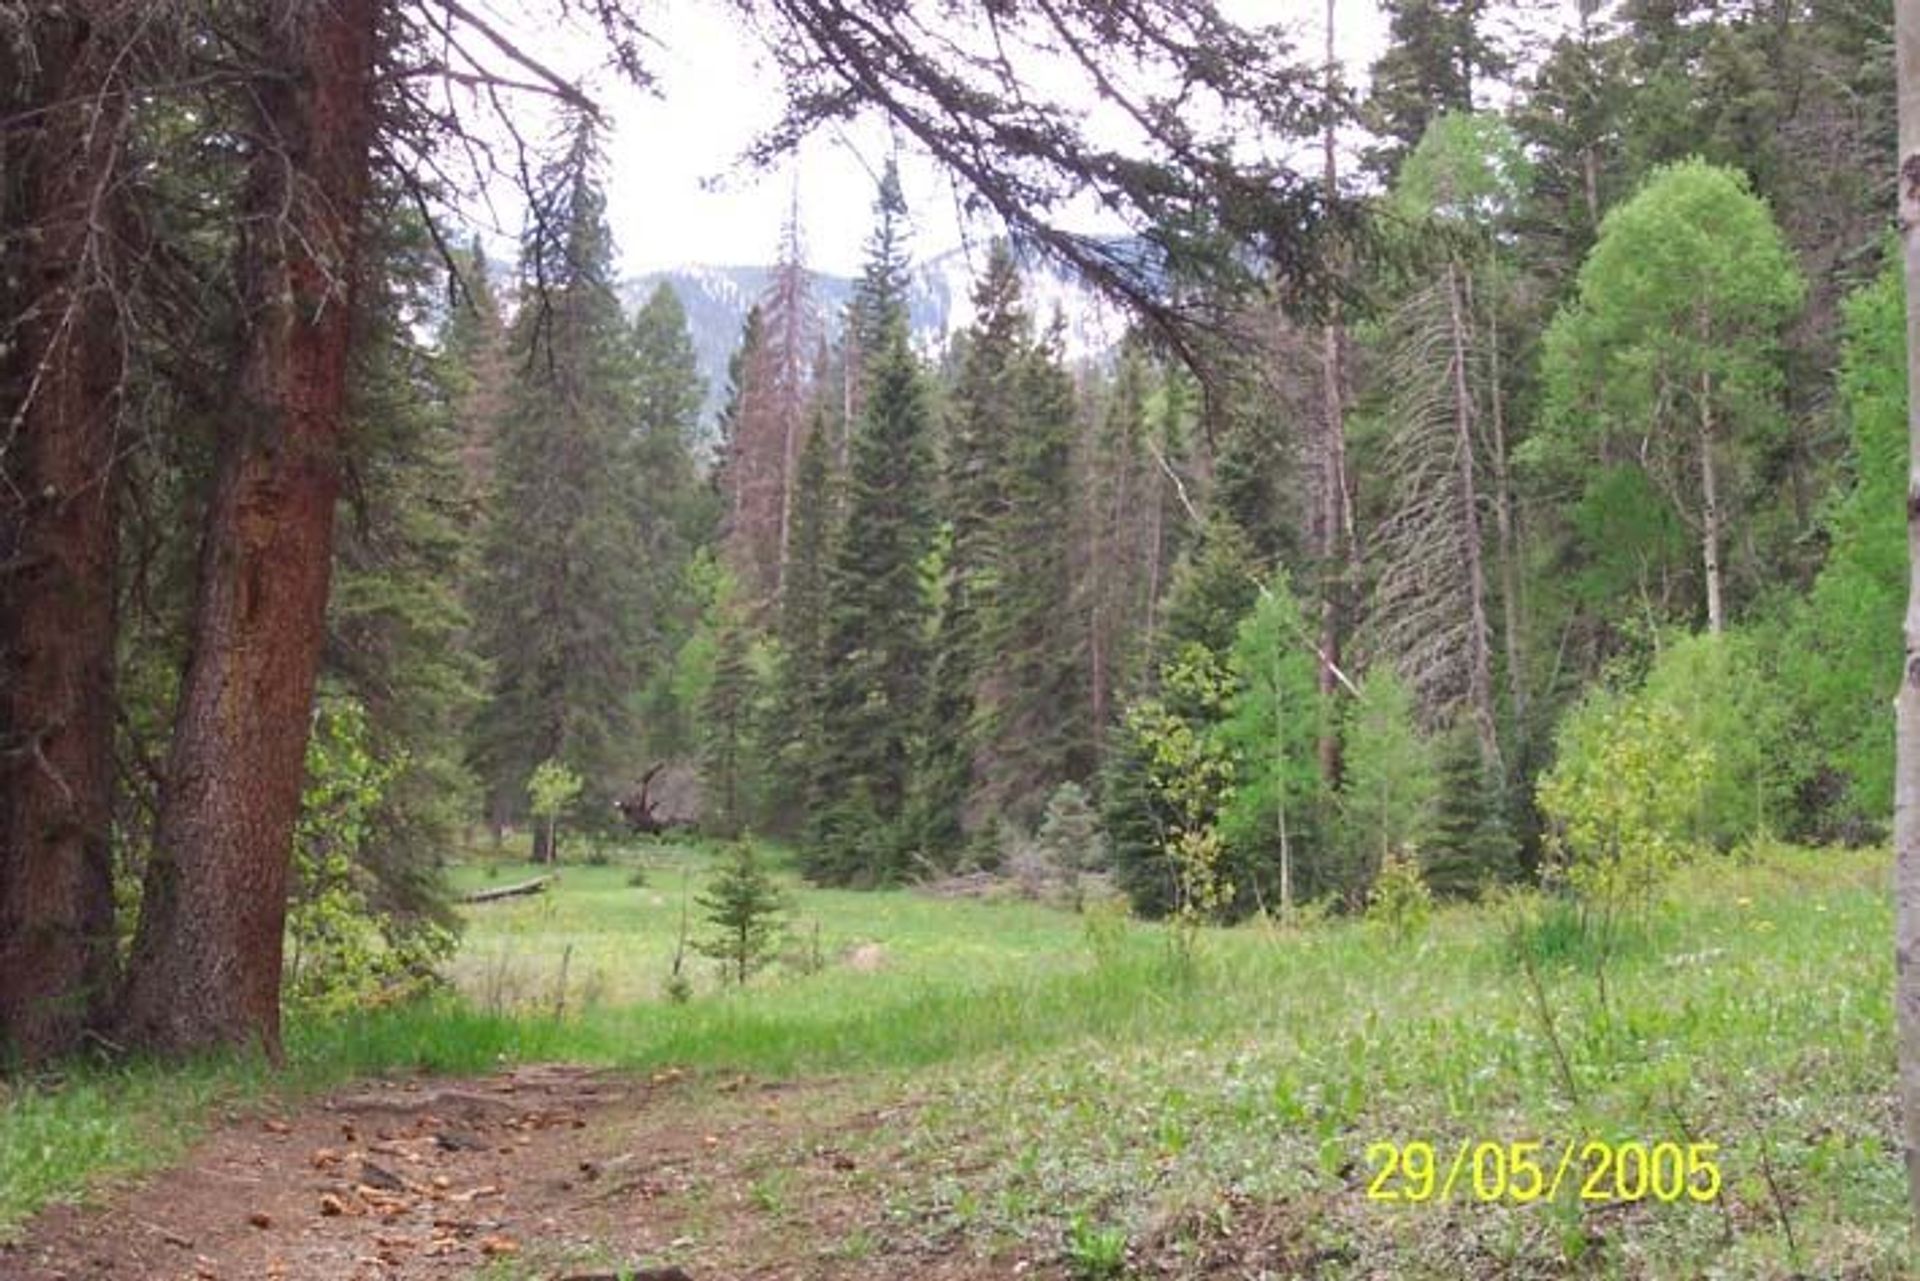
[545,1171]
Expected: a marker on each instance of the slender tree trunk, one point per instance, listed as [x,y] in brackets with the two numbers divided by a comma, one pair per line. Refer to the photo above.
[57,600]
[207,956]
[1479,662]
[1710,518]
[1280,792]
[1504,532]
[1906,809]
[1332,519]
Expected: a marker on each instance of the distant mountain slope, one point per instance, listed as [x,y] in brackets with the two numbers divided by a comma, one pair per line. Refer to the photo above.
[717,298]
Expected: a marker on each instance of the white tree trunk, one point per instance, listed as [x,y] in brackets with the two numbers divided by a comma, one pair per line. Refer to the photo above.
[1906,806]
[1710,516]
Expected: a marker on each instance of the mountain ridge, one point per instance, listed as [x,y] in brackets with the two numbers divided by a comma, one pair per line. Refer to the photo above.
[717,297]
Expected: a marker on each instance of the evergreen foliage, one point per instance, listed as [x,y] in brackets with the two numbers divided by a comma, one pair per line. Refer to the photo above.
[563,583]
[876,644]
[745,909]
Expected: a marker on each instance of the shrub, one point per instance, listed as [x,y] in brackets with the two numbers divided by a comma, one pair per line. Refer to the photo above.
[341,953]
[1400,900]
[1070,836]
[1624,800]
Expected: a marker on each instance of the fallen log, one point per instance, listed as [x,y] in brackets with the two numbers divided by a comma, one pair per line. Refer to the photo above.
[538,885]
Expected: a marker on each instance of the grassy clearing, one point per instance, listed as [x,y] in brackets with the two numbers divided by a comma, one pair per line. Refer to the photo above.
[1085,1098]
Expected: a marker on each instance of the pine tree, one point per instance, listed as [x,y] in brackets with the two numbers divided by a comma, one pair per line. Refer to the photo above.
[1472,842]
[766,419]
[1446,453]
[744,907]
[880,295]
[726,729]
[398,625]
[1037,725]
[563,583]
[988,406]
[673,514]
[875,651]
[1438,52]
[801,629]
[474,352]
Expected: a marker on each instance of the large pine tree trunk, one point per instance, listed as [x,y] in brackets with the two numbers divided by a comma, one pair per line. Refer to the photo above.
[57,548]
[207,958]
[1906,810]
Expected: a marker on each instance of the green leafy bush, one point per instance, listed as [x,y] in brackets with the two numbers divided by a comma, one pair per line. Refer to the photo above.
[1400,900]
[342,953]
[1624,799]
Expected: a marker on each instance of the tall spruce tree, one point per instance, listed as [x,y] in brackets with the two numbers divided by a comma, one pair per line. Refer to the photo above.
[988,406]
[1037,727]
[673,513]
[876,633]
[561,624]
[1438,52]
[802,630]
[398,628]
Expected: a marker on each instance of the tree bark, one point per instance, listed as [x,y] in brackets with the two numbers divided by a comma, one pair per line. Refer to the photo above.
[1332,519]
[1906,809]
[1710,518]
[206,963]
[57,605]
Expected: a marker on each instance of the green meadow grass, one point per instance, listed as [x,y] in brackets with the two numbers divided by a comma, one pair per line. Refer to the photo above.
[1078,1087]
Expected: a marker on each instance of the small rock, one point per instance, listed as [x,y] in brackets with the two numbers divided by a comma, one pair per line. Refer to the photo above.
[260,1219]
[385,1180]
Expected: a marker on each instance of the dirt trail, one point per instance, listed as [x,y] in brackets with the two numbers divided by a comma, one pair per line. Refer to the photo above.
[546,1171]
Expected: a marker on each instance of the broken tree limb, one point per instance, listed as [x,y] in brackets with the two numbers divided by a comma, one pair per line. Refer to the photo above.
[538,885]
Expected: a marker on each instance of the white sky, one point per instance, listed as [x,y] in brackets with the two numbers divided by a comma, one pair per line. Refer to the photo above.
[675,195]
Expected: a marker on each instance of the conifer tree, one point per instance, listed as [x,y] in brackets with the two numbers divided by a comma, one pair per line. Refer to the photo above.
[1037,722]
[876,642]
[561,624]
[726,728]
[880,295]
[399,630]
[988,405]
[766,419]
[1438,53]
[801,628]
[1472,842]
[744,907]
[673,512]
[474,353]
